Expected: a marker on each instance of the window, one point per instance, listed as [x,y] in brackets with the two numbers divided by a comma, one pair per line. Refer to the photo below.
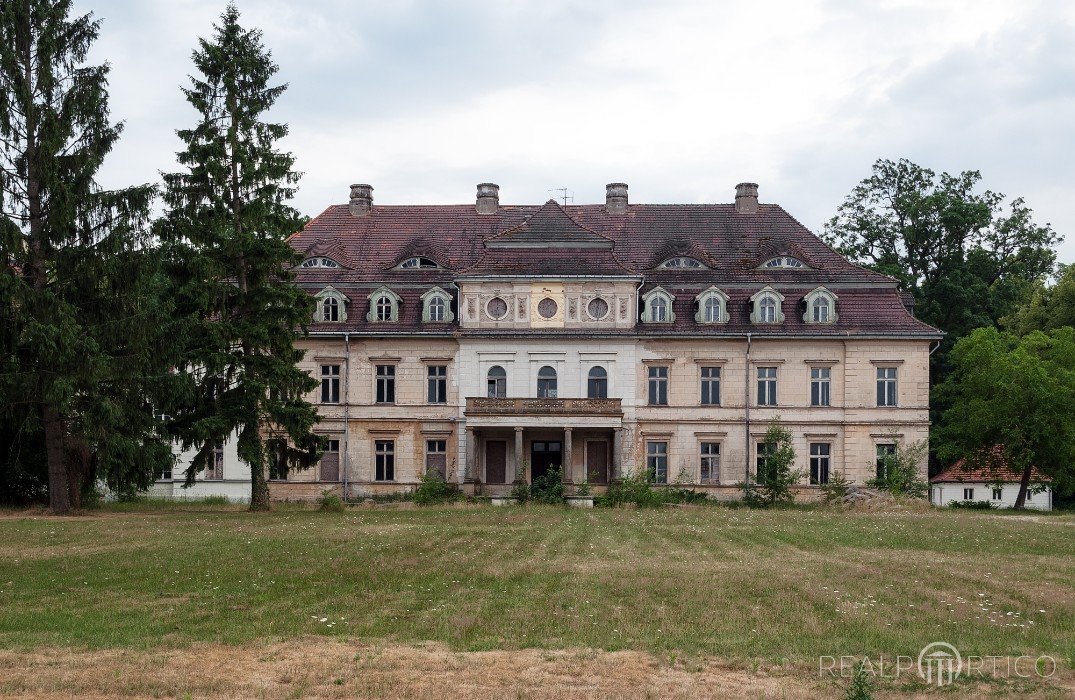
[820,306]
[712,306]
[437,380]
[709,469]
[437,457]
[819,310]
[997,493]
[384,306]
[658,386]
[820,380]
[767,305]
[546,383]
[386,384]
[1029,496]
[417,263]
[384,309]
[820,455]
[330,383]
[330,461]
[497,308]
[437,306]
[886,386]
[497,382]
[658,306]
[785,261]
[765,451]
[657,461]
[597,383]
[330,309]
[166,474]
[711,386]
[597,308]
[214,471]
[384,460]
[547,308]
[767,386]
[437,309]
[968,494]
[330,306]
[682,263]
[320,262]
[885,454]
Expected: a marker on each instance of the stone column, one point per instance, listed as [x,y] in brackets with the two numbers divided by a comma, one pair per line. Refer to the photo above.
[519,475]
[617,458]
[470,468]
[567,476]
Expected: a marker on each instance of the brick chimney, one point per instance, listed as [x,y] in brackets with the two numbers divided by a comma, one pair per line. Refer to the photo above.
[746,197]
[488,198]
[616,198]
[361,200]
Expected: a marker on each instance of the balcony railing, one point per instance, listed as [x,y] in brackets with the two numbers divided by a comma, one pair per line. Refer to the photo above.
[478,406]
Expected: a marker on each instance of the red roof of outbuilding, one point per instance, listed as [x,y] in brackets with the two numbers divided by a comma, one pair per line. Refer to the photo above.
[993,468]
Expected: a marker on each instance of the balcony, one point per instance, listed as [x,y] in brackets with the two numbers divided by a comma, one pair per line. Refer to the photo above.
[480,406]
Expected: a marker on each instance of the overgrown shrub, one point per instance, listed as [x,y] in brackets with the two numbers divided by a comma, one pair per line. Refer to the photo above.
[583,490]
[634,488]
[330,502]
[520,491]
[972,505]
[434,489]
[837,487]
[216,500]
[547,488]
[775,476]
[678,494]
[861,685]
[899,472]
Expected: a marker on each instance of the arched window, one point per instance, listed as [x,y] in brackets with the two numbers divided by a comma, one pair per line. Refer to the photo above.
[712,306]
[682,263]
[497,382]
[597,383]
[658,306]
[330,309]
[783,261]
[546,383]
[384,306]
[330,306]
[319,262]
[437,306]
[767,306]
[820,306]
[416,263]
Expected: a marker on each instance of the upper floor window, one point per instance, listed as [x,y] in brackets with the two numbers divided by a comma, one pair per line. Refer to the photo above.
[657,305]
[820,386]
[682,263]
[820,306]
[330,383]
[497,382]
[886,386]
[320,262]
[416,263]
[546,383]
[658,386]
[386,384]
[384,306]
[767,386]
[711,386]
[437,306]
[783,261]
[767,306]
[712,306]
[331,307]
[597,383]
[437,379]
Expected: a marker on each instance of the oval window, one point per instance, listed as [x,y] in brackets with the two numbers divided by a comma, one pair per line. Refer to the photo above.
[497,308]
[547,308]
[597,308]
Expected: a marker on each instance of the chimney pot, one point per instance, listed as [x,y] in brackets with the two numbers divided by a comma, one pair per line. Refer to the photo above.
[361,200]
[488,198]
[616,198]
[746,197]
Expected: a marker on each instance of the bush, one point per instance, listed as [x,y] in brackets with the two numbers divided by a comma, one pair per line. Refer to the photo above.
[330,502]
[899,472]
[775,477]
[837,488]
[972,505]
[434,489]
[520,491]
[635,488]
[861,686]
[678,494]
[548,488]
[215,500]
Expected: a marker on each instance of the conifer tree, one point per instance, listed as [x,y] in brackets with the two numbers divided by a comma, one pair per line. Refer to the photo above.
[226,233]
[80,348]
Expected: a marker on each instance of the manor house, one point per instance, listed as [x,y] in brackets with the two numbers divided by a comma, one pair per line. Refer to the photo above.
[492,342]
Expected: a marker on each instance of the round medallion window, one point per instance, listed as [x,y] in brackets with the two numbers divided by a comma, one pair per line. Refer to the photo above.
[547,308]
[497,308]
[597,308]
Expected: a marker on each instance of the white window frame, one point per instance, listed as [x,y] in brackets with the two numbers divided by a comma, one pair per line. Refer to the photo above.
[341,305]
[968,493]
[889,396]
[712,457]
[655,454]
[648,307]
[427,306]
[771,380]
[375,298]
[756,306]
[707,295]
[320,261]
[820,295]
[823,381]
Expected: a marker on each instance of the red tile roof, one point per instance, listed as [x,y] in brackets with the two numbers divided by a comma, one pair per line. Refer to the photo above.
[993,468]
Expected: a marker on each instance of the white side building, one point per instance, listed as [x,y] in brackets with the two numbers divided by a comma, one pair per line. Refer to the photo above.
[995,483]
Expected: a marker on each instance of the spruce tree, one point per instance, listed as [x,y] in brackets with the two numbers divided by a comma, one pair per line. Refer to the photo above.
[80,338]
[226,232]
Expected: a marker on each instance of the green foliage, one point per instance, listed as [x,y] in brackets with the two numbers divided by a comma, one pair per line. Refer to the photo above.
[972,505]
[678,494]
[548,487]
[861,686]
[837,487]
[1046,307]
[775,476]
[901,472]
[434,489]
[226,233]
[330,502]
[633,489]
[215,500]
[1015,395]
[520,491]
[583,490]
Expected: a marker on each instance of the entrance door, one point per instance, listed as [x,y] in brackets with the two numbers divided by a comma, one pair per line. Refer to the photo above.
[543,455]
[496,460]
[597,462]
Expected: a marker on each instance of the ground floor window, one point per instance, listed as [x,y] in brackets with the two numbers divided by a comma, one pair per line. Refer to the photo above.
[885,453]
[657,461]
[215,469]
[330,461]
[820,456]
[436,457]
[968,494]
[765,450]
[385,460]
[997,493]
[709,469]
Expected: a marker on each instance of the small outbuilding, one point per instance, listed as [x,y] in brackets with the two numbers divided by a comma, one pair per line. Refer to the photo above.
[994,482]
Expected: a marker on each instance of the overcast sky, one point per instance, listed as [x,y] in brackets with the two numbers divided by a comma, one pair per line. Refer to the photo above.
[681,99]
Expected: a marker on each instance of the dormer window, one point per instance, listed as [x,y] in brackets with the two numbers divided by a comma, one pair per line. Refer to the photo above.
[767,305]
[331,306]
[417,263]
[657,305]
[384,306]
[783,261]
[820,306]
[437,306]
[320,262]
[712,306]
[681,263]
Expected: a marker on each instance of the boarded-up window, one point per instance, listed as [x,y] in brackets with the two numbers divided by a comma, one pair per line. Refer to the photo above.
[436,457]
[330,461]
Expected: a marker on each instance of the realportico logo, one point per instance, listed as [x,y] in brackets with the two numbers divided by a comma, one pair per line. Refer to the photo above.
[939,664]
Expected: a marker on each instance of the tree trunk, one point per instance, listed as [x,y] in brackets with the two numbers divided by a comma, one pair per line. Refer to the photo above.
[1024,486]
[259,486]
[59,484]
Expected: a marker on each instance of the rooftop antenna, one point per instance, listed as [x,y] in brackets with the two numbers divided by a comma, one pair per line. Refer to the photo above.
[563,194]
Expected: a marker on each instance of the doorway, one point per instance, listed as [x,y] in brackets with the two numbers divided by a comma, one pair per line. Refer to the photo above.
[544,454]
[496,460]
[597,461]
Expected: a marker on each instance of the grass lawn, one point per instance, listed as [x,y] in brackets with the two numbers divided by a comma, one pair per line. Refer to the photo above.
[751,588]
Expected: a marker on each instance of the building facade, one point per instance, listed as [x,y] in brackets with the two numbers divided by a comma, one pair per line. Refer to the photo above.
[492,342]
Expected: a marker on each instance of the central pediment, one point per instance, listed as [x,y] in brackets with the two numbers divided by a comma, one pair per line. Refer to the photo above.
[549,227]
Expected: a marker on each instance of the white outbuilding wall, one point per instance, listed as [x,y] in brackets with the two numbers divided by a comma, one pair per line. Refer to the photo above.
[946,493]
